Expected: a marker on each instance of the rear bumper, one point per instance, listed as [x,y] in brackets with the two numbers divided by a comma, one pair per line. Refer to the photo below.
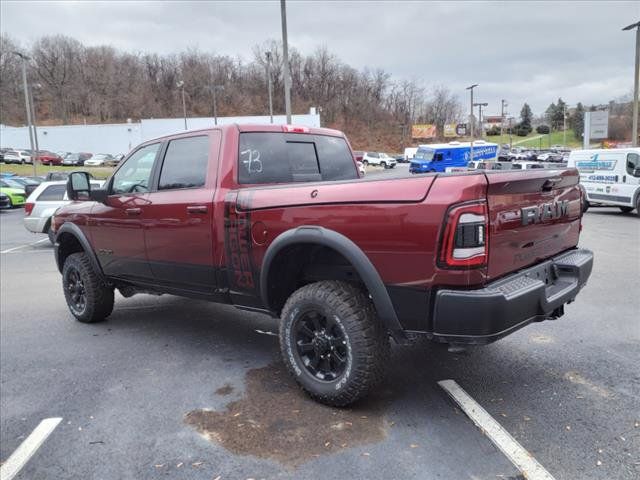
[502,307]
[35,224]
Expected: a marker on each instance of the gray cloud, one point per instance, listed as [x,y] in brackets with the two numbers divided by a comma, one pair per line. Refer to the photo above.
[520,51]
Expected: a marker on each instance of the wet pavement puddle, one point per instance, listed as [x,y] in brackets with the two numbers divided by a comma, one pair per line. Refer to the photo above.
[276,420]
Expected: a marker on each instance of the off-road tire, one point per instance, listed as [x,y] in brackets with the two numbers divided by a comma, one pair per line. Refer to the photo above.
[383,165]
[638,206]
[52,235]
[367,341]
[98,303]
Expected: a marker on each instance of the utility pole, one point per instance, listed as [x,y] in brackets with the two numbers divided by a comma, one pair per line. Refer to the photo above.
[503,103]
[471,120]
[636,79]
[269,85]
[180,84]
[510,133]
[480,105]
[285,54]
[26,102]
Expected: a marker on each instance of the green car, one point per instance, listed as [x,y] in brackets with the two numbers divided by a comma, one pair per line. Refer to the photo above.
[16,195]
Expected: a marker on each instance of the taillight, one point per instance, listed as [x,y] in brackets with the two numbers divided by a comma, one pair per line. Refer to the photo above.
[28,208]
[294,129]
[465,241]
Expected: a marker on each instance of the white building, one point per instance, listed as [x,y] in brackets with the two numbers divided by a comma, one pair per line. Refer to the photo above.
[118,138]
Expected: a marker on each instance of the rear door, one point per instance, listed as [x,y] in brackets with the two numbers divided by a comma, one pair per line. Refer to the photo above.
[533,215]
[179,227]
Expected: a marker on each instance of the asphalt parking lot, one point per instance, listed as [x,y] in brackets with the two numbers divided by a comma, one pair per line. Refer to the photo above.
[176,388]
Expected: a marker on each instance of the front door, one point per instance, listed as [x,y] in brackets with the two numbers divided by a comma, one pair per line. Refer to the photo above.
[178,219]
[116,226]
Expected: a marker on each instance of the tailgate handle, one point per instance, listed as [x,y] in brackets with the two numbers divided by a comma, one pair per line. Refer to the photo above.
[550,183]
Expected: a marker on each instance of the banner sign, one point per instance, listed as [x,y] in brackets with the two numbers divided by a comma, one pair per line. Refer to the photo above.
[450,130]
[427,130]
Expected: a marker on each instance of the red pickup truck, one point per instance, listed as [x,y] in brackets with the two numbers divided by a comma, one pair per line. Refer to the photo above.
[276,219]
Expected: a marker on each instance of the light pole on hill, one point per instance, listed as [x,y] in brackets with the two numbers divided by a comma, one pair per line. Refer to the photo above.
[636,79]
[180,84]
[471,120]
[503,104]
[215,88]
[269,84]
[285,61]
[480,105]
[27,104]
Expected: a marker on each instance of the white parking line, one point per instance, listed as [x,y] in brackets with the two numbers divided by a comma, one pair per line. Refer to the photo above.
[518,455]
[25,451]
[9,250]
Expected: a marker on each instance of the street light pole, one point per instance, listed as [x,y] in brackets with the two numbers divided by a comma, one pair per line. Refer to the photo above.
[503,103]
[35,130]
[636,79]
[26,102]
[564,125]
[269,85]
[215,106]
[285,54]
[471,120]
[180,84]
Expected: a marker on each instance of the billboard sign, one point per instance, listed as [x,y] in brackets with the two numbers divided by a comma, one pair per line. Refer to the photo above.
[427,130]
[450,130]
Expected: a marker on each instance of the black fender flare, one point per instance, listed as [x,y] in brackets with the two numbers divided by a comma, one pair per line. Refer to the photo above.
[350,251]
[75,231]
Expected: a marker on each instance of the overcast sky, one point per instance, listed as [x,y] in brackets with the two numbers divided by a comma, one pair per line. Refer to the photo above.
[520,51]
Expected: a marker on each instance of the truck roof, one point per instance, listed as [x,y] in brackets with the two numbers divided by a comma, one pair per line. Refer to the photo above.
[478,143]
[255,127]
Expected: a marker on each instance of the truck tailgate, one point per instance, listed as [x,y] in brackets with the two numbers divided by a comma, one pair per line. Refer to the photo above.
[533,215]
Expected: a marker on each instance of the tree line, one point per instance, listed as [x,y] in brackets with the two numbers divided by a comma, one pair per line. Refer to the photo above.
[75,83]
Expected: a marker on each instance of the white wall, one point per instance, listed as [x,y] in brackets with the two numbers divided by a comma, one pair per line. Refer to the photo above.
[122,137]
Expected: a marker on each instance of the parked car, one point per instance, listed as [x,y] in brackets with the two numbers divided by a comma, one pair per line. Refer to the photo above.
[58,176]
[76,159]
[400,159]
[522,165]
[98,160]
[115,160]
[43,203]
[14,191]
[5,202]
[28,184]
[379,159]
[17,156]
[346,265]
[361,169]
[49,158]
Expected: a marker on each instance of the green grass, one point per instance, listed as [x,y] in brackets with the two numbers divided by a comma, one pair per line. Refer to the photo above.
[532,140]
[27,170]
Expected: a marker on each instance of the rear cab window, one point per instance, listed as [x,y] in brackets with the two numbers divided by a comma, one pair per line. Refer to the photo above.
[273,157]
[185,163]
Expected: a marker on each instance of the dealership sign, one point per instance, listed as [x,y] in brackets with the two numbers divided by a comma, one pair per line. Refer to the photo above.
[598,124]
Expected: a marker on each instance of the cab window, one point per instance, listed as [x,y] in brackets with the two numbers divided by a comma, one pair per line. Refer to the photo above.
[185,163]
[135,174]
[633,164]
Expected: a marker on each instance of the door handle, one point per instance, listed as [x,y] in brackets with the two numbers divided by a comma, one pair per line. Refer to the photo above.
[133,211]
[197,209]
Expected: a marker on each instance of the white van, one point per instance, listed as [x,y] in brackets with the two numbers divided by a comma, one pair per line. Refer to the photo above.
[409,153]
[609,176]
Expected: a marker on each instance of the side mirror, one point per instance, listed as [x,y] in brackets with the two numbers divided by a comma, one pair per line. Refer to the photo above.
[636,172]
[78,186]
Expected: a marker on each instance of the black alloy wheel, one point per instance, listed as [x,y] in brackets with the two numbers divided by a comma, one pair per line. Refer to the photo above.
[77,291]
[321,345]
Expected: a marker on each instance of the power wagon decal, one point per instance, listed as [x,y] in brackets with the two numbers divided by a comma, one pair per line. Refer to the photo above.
[237,239]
